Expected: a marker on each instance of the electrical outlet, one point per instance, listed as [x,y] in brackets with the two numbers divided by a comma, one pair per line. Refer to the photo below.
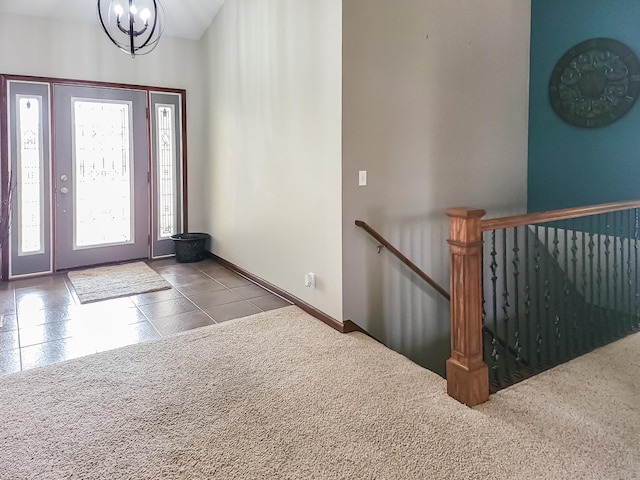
[310,280]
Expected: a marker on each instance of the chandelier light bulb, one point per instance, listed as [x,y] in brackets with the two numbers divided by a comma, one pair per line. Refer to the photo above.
[133,10]
[145,15]
[118,9]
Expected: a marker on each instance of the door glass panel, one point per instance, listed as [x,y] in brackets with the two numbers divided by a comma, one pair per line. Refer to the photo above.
[30,172]
[102,173]
[166,167]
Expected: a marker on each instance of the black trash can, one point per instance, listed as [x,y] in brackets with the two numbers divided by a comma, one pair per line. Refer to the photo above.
[189,246]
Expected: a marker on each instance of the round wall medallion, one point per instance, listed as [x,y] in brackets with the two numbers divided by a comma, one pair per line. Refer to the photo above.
[595,83]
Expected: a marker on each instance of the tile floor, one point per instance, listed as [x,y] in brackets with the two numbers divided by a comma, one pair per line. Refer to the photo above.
[45,323]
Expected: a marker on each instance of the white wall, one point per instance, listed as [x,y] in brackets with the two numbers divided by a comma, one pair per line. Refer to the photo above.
[435,108]
[274,151]
[42,47]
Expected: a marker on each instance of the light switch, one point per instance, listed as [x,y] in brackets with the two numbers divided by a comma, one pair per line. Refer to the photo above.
[362,178]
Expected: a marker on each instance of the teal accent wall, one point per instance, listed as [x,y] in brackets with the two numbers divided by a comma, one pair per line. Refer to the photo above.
[571,166]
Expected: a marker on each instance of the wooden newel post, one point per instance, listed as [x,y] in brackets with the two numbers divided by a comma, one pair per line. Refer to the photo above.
[467,374]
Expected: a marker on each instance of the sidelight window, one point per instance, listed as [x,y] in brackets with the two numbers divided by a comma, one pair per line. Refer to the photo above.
[166,170]
[30,175]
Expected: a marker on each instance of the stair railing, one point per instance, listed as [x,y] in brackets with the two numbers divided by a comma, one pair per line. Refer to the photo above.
[383,243]
[551,286]
[414,268]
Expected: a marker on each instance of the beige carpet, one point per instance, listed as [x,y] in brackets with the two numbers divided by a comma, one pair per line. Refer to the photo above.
[280,395]
[115,281]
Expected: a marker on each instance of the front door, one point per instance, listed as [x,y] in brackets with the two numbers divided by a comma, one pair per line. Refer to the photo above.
[101,175]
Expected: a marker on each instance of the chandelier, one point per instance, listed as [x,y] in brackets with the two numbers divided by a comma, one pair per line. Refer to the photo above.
[135,27]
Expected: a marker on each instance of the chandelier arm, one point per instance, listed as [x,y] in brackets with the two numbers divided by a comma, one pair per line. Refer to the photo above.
[140,32]
[153,27]
[122,29]
[104,27]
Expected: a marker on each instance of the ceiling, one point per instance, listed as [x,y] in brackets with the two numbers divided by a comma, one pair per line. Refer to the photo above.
[184,18]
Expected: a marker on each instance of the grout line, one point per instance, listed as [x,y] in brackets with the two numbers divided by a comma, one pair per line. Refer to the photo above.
[151,323]
[187,298]
[261,310]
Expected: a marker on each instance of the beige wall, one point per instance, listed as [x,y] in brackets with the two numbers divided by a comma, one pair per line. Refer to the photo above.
[435,105]
[51,48]
[274,153]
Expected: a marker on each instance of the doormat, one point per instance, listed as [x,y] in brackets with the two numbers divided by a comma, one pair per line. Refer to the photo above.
[103,283]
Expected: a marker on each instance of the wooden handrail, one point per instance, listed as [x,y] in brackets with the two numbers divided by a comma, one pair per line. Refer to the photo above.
[403,259]
[555,215]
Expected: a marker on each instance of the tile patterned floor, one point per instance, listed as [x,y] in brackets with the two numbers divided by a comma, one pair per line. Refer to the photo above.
[43,321]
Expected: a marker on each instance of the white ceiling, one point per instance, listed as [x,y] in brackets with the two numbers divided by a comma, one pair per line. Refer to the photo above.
[184,18]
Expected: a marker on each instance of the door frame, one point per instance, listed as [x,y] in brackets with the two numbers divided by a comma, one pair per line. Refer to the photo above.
[4,144]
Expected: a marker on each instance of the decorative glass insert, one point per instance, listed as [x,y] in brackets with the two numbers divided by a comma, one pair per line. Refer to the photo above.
[103,183]
[166,166]
[30,173]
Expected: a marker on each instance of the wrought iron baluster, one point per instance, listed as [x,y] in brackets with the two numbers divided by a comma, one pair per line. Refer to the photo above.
[636,235]
[505,306]
[627,236]
[583,301]
[599,284]
[495,355]
[619,304]
[485,357]
[538,328]
[607,276]
[574,265]
[556,251]
[592,298]
[516,273]
[566,289]
[547,302]
[527,294]
[556,322]
[615,277]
